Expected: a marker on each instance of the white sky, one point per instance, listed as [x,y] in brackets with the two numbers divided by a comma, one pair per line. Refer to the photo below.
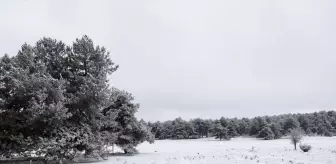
[194,58]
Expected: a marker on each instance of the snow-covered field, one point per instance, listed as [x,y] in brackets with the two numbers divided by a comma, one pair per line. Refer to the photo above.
[236,151]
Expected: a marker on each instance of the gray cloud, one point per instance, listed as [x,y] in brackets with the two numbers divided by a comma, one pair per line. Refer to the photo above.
[198,58]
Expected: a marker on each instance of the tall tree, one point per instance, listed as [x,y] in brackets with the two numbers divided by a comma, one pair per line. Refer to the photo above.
[220,131]
[56,99]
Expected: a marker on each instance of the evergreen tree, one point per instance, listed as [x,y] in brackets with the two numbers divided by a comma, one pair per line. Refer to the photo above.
[243,128]
[266,133]
[276,129]
[291,123]
[220,131]
[55,99]
[304,123]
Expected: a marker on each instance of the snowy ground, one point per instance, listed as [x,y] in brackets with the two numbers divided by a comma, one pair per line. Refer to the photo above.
[236,151]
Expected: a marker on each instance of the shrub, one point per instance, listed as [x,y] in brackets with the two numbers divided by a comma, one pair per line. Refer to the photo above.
[305,147]
[328,134]
[252,150]
[130,150]
[266,133]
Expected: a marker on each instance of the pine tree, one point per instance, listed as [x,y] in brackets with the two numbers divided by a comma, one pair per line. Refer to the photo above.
[266,133]
[276,129]
[291,123]
[56,99]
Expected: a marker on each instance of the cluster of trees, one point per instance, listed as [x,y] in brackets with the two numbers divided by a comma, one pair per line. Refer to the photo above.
[55,100]
[267,127]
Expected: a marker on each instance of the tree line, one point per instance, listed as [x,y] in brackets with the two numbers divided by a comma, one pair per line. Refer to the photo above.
[55,100]
[267,127]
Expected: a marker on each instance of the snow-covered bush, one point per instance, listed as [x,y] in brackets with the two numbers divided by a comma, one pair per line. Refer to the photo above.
[266,133]
[305,147]
[328,134]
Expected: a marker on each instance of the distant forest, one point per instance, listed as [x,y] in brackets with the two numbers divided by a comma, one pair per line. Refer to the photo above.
[266,127]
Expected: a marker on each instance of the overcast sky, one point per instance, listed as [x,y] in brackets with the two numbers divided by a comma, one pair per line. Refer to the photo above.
[198,58]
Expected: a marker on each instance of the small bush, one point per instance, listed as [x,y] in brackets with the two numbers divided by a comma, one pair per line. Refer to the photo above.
[130,150]
[252,150]
[328,134]
[305,147]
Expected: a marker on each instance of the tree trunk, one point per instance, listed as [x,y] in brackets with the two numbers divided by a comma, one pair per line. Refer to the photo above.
[85,69]
[112,148]
[295,146]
